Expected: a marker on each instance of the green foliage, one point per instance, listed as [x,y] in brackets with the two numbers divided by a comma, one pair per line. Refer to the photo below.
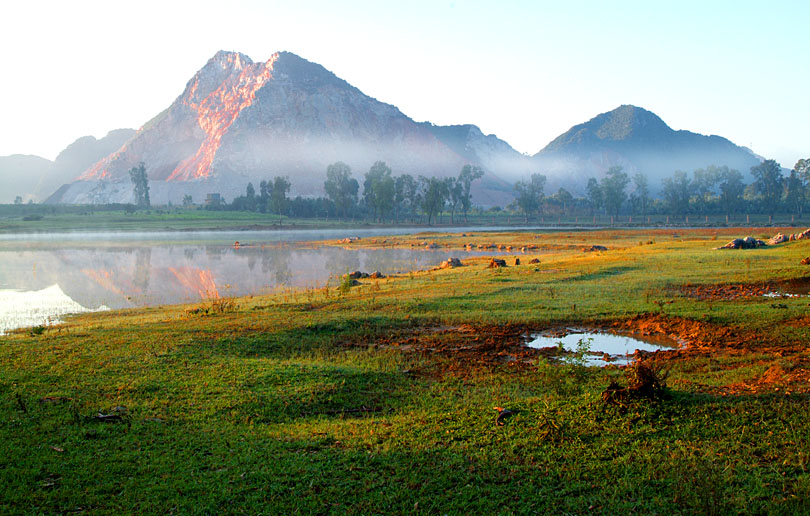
[278,196]
[379,190]
[613,189]
[731,189]
[341,188]
[640,198]
[529,195]
[677,191]
[434,193]
[138,177]
[768,182]
[466,177]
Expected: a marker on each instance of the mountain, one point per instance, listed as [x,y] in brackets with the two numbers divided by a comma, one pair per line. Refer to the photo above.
[83,153]
[34,178]
[20,174]
[637,140]
[239,121]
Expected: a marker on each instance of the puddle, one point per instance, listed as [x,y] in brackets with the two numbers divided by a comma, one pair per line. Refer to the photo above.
[603,348]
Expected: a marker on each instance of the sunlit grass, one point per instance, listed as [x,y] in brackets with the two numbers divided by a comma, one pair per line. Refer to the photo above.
[311,401]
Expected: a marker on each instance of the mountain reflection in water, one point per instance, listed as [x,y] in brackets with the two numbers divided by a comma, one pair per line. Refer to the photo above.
[104,274]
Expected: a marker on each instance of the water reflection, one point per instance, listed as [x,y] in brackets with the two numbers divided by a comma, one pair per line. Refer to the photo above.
[97,275]
[33,308]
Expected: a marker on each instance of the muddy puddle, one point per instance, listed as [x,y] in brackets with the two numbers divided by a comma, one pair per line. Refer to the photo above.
[597,348]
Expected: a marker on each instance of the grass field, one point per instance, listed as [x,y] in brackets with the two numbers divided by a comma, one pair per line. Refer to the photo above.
[379,399]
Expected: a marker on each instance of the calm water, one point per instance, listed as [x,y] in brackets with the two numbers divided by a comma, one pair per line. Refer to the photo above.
[43,277]
[618,348]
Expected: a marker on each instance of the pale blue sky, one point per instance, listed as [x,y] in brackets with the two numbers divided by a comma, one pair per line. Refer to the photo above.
[525,71]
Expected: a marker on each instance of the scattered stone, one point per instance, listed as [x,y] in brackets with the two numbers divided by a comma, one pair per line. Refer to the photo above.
[594,248]
[450,263]
[495,263]
[748,242]
[348,240]
[376,275]
[534,260]
[431,245]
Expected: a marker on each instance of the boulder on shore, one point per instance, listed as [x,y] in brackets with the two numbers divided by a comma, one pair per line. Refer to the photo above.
[748,242]
[495,263]
[450,263]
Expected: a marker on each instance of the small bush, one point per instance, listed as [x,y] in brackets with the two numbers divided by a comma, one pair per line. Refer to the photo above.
[223,305]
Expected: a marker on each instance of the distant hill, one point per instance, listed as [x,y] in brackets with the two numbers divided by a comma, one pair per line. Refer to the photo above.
[637,140]
[239,121]
[35,178]
[20,174]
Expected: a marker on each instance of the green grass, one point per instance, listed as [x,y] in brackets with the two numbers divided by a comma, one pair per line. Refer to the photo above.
[312,402]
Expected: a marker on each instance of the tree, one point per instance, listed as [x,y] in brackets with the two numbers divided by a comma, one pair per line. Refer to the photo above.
[18,200]
[795,193]
[379,189]
[264,195]
[677,191]
[468,174]
[433,196]
[803,169]
[406,193]
[138,177]
[564,199]
[341,188]
[188,202]
[731,189]
[530,194]
[595,197]
[703,184]
[454,192]
[613,185]
[278,197]
[250,196]
[768,183]
[640,198]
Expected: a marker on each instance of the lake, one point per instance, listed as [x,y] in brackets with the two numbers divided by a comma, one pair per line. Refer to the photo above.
[46,276]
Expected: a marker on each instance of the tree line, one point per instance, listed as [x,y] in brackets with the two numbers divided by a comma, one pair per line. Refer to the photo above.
[707,191]
[388,198]
[385,197]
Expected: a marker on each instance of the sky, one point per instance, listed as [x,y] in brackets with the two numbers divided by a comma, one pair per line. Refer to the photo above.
[525,71]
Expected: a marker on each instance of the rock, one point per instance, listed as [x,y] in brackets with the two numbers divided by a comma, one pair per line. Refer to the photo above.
[778,239]
[805,261]
[450,263]
[358,275]
[594,248]
[748,242]
[495,263]
[804,234]
[376,275]
[534,260]
[431,245]
[517,261]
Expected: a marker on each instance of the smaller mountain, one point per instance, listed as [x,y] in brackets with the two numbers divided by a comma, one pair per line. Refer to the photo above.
[35,178]
[19,176]
[639,141]
[77,157]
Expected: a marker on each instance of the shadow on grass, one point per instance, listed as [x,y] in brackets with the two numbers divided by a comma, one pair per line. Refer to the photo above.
[309,338]
[303,391]
[603,273]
